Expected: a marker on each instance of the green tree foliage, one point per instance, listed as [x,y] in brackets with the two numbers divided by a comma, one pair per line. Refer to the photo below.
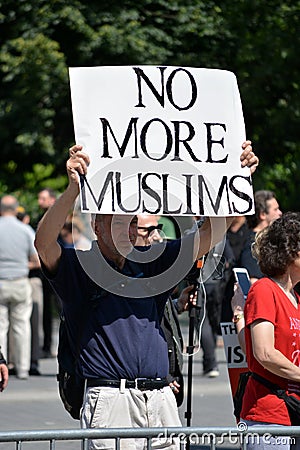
[256,40]
[267,67]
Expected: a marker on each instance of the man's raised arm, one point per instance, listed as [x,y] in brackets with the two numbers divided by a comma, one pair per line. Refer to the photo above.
[52,222]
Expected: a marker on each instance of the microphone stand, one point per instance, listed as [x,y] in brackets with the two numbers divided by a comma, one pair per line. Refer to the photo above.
[194,313]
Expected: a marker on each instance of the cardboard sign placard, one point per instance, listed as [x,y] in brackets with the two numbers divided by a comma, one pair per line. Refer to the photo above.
[161,140]
[235,357]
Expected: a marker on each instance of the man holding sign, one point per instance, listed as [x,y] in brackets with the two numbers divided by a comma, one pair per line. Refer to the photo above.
[113,299]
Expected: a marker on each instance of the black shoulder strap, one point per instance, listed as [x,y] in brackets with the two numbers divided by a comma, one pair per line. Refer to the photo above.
[292,403]
[274,388]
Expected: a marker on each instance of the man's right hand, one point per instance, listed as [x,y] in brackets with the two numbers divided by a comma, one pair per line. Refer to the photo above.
[77,164]
[50,226]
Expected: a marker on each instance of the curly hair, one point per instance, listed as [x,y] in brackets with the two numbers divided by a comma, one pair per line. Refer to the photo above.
[278,245]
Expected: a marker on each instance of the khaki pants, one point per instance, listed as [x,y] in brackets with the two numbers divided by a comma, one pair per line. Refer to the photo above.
[15,312]
[36,319]
[106,407]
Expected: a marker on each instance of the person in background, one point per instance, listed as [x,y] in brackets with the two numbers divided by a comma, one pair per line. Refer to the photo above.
[46,199]
[209,300]
[272,317]
[36,318]
[266,211]
[236,237]
[3,372]
[149,230]
[72,235]
[17,257]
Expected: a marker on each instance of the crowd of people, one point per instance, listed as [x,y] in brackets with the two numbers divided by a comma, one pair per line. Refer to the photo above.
[119,290]
[28,303]
[131,346]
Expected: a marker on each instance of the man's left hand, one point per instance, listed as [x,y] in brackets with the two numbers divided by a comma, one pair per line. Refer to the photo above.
[248,157]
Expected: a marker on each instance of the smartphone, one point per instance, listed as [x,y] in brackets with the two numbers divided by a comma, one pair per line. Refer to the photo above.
[242,277]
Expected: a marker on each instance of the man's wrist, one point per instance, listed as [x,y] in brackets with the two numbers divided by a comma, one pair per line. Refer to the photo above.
[73,189]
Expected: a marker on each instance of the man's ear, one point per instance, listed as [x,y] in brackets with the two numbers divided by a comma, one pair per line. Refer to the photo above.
[262,216]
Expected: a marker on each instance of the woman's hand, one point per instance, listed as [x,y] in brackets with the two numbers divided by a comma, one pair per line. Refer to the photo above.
[237,301]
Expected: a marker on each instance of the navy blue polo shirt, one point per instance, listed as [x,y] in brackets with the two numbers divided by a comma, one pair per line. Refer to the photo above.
[120,335]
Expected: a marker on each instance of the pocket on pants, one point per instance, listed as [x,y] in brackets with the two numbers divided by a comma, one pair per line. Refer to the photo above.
[100,401]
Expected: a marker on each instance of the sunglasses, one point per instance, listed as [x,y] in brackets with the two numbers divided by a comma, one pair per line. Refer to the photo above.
[150,229]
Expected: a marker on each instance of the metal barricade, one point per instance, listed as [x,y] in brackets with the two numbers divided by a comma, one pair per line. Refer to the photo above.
[202,438]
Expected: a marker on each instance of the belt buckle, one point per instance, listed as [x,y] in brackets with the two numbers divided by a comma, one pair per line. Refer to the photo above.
[136,382]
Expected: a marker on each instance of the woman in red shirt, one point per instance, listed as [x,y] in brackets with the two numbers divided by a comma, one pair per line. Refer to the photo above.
[272,332]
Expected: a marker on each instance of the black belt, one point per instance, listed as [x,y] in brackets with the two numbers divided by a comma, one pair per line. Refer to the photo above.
[138,383]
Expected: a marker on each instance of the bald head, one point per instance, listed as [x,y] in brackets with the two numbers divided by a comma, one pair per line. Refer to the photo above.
[8,205]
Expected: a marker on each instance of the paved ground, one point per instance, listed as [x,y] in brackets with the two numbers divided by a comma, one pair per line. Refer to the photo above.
[34,404]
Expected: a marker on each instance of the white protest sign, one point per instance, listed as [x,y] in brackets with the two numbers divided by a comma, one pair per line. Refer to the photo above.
[235,356]
[161,140]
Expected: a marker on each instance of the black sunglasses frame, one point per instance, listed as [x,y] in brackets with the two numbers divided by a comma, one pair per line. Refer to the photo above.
[151,228]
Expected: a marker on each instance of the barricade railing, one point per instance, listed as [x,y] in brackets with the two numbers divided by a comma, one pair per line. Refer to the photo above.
[209,437]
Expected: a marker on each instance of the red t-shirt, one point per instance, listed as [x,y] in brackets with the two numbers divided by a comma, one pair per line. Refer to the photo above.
[266,300]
